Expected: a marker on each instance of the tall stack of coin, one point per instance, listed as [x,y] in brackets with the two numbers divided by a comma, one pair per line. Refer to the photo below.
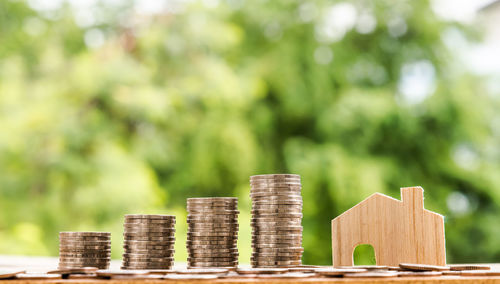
[212,232]
[149,242]
[276,220]
[84,249]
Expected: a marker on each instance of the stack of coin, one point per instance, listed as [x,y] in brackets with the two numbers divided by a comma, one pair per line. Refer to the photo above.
[276,220]
[84,249]
[148,242]
[212,232]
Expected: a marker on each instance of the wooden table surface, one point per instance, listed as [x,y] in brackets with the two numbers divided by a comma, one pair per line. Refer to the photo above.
[40,264]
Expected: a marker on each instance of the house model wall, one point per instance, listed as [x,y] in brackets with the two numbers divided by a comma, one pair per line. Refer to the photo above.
[399,231]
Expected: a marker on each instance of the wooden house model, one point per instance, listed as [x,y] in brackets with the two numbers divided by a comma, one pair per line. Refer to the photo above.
[399,231]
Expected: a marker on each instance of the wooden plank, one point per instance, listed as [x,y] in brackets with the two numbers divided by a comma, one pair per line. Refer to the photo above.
[399,231]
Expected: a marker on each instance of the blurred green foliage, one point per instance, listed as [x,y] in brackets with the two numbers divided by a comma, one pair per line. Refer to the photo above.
[105,110]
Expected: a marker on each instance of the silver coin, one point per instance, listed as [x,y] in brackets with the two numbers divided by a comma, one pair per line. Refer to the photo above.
[273,199]
[275,190]
[147,266]
[211,199]
[149,253]
[143,257]
[257,224]
[276,215]
[150,216]
[215,248]
[285,185]
[84,234]
[71,250]
[211,255]
[66,246]
[148,226]
[212,233]
[149,229]
[126,261]
[84,239]
[85,254]
[215,263]
[212,243]
[212,215]
[280,208]
[275,176]
[275,212]
[79,266]
[273,245]
[293,250]
[201,213]
[157,239]
[170,234]
[276,231]
[149,256]
[258,263]
[148,223]
[126,245]
[266,259]
[210,237]
[213,206]
[283,202]
[228,226]
[276,206]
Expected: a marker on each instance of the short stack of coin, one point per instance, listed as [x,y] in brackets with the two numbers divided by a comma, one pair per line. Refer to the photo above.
[276,220]
[84,249]
[148,241]
[212,232]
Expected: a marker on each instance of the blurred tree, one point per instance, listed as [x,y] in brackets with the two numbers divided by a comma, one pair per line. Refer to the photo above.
[117,108]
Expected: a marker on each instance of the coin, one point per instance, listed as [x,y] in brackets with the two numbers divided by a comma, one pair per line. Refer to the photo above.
[212,199]
[259,262]
[10,273]
[461,267]
[84,243]
[381,274]
[166,241]
[149,216]
[85,254]
[84,248]
[273,177]
[37,276]
[209,226]
[194,263]
[140,258]
[479,273]
[85,234]
[81,270]
[139,238]
[105,273]
[423,267]
[419,273]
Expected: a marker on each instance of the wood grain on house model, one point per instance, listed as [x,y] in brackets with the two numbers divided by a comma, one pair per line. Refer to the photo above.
[399,231]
